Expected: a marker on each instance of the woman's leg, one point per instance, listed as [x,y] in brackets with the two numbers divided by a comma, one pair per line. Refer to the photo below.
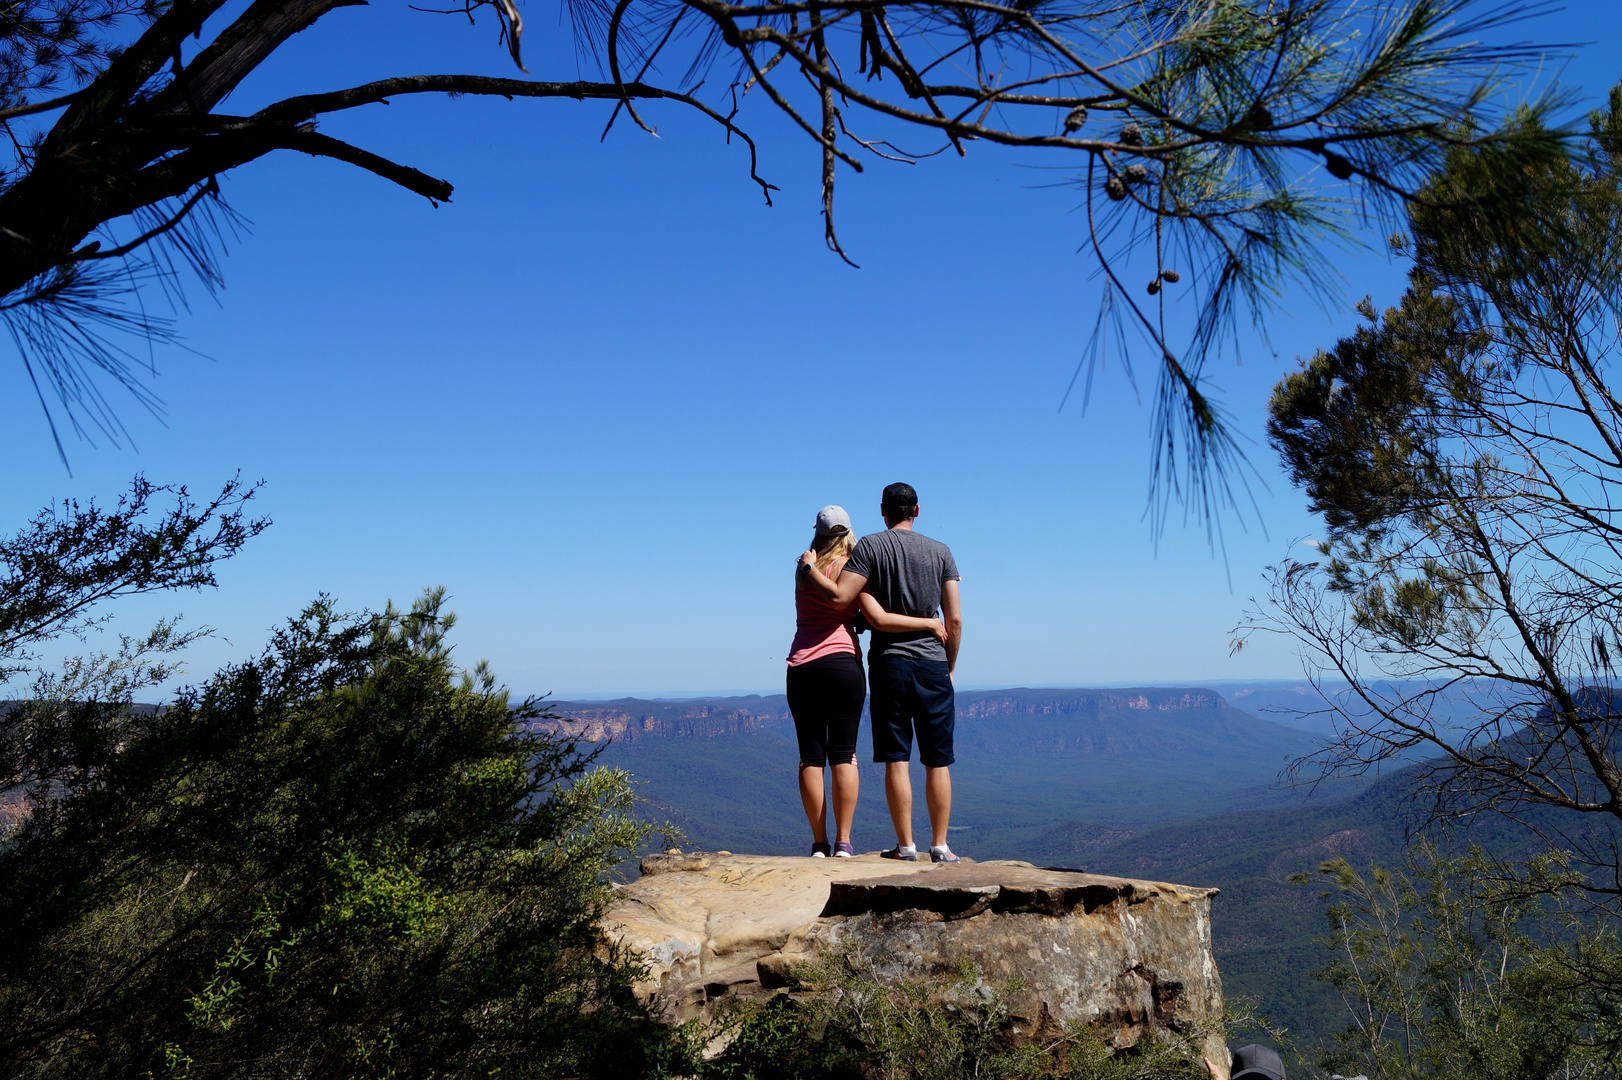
[816,808]
[847,779]
[847,689]
[805,702]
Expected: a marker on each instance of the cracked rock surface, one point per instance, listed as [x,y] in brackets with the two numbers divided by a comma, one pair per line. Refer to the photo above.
[1129,957]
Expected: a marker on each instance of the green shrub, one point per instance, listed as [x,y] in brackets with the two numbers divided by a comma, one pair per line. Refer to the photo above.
[342,859]
[1454,967]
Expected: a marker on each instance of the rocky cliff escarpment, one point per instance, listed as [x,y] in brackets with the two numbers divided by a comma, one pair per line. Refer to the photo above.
[629,719]
[1128,957]
[1085,703]
[1112,723]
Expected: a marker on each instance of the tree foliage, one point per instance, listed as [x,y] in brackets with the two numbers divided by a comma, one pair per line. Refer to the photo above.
[73,558]
[1442,976]
[1216,147]
[343,858]
[1463,449]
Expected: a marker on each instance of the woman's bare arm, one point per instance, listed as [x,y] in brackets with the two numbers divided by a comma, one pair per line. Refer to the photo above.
[883,621]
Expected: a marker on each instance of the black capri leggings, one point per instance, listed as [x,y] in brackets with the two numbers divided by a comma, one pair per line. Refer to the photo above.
[825,695]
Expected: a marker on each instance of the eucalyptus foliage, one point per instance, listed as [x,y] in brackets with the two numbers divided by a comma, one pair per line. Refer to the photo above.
[1465,450]
[1442,976]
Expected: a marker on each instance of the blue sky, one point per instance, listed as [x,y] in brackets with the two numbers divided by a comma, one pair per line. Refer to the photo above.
[601,395]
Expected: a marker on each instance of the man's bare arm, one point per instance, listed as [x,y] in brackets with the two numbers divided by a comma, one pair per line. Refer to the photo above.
[952,615]
[841,593]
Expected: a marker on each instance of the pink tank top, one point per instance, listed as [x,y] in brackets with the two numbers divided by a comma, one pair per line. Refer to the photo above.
[820,629]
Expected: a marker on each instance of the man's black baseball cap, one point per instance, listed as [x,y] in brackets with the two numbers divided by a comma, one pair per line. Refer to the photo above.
[899,497]
[1257,1061]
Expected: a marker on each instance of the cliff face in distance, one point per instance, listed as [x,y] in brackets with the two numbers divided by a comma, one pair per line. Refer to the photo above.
[983,703]
[629,719]
[1084,721]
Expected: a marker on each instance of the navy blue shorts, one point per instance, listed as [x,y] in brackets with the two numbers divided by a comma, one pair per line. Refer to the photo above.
[911,696]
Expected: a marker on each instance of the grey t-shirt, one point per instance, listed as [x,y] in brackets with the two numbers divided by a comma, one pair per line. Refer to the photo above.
[905,571]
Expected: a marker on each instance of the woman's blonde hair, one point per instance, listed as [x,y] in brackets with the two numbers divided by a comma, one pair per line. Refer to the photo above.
[829,548]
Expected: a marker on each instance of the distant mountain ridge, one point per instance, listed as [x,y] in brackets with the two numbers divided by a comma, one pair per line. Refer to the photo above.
[1059,702]
[629,719]
[1056,720]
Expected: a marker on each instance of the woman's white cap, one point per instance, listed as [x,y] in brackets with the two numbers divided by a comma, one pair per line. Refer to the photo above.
[832,521]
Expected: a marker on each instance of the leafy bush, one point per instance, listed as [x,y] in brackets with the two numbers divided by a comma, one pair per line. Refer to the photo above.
[342,859]
[1446,972]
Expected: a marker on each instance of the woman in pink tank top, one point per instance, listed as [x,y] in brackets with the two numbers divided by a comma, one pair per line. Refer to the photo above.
[826,686]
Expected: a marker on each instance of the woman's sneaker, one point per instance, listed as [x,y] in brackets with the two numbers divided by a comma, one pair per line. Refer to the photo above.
[905,854]
[942,854]
[820,851]
[843,850]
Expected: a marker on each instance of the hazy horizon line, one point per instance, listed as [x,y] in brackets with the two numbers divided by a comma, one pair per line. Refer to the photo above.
[692,695]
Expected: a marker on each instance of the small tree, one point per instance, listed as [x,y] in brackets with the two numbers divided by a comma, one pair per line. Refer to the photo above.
[1463,449]
[340,859]
[1443,978]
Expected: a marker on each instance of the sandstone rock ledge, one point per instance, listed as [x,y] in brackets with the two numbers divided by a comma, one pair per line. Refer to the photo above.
[1128,957]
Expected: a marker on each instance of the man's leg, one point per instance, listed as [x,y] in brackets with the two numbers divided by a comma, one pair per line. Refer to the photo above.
[938,794]
[936,723]
[898,792]
[891,711]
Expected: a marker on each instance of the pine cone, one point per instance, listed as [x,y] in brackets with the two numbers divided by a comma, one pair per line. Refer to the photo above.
[1136,174]
[1077,117]
[1115,188]
[1338,167]
[1154,286]
[1172,277]
[1132,135]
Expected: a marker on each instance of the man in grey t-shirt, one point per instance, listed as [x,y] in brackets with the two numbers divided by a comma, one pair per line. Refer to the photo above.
[910,674]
